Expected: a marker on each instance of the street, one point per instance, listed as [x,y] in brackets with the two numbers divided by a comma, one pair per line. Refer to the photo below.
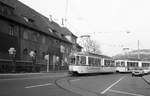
[33,85]
[59,85]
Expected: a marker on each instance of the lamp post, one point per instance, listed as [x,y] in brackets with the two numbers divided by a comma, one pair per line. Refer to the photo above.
[33,57]
[47,61]
[12,53]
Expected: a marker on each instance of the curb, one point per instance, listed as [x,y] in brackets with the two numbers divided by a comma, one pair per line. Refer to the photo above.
[16,74]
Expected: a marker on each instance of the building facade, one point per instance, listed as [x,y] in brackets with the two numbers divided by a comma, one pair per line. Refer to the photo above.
[27,30]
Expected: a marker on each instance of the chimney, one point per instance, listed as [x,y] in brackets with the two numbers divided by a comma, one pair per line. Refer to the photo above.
[50,18]
[62,23]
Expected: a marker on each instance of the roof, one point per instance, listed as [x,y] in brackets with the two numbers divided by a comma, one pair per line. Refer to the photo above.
[66,31]
[79,46]
[92,54]
[40,22]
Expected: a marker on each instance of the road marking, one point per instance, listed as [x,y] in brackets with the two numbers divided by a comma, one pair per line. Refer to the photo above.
[122,92]
[39,85]
[112,85]
[75,80]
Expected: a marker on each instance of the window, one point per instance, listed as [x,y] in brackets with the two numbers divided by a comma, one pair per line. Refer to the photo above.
[31,20]
[91,61]
[43,54]
[50,30]
[26,19]
[107,63]
[11,30]
[62,49]
[56,41]
[1,9]
[72,60]
[82,60]
[97,62]
[122,64]
[62,35]
[68,37]
[77,60]
[34,36]
[25,35]
[118,64]
[25,51]
[132,64]
[145,64]
[43,40]
[113,63]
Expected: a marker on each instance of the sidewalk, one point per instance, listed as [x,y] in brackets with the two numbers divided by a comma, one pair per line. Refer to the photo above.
[147,78]
[33,75]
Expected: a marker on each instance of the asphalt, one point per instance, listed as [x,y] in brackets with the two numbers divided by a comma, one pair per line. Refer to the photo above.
[147,78]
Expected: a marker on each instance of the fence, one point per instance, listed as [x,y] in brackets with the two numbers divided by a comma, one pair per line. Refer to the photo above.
[7,66]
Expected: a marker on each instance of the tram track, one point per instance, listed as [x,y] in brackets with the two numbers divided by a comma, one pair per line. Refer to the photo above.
[56,82]
[65,84]
[59,85]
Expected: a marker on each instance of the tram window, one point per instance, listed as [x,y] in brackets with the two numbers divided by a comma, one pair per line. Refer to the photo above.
[122,64]
[145,64]
[94,62]
[77,60]
[97,62]
[118,64]
[112,64]
[83,60]
[90,61]
[132,64]
[72,61]
[107,63]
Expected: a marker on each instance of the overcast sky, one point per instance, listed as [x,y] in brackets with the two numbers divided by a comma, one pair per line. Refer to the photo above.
[114,24]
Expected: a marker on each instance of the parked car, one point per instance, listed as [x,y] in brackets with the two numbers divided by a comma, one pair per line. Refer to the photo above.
[146,71]
[138,72]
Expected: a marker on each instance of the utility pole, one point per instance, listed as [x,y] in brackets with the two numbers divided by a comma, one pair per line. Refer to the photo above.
[138,49]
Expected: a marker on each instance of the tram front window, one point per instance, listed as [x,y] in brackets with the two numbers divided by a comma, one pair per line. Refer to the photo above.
[81,60]
[72,61]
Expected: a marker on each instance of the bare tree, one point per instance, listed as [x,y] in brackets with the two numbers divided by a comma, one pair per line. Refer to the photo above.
[89,45]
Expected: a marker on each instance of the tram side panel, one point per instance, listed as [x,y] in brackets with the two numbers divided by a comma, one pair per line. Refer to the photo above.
[82,64]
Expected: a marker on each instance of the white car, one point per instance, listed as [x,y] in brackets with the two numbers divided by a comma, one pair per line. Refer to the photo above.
[146,71]
[138,72]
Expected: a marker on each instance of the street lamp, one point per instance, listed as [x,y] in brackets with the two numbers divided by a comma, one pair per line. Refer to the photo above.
[33,56]
[12,53]
[47,61]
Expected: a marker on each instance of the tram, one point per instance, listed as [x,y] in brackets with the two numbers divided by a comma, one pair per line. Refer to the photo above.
[126,65]
[85,63]
[129,65]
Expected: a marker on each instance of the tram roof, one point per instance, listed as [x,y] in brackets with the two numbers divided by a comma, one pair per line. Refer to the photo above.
[92,54]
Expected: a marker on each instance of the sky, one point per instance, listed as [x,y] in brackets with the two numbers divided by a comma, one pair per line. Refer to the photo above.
[113,24]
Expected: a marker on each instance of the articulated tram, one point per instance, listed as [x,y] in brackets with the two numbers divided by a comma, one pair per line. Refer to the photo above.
[84,63]
[130,65]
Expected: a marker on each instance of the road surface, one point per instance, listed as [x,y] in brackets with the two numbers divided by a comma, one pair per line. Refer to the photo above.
[59,85]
